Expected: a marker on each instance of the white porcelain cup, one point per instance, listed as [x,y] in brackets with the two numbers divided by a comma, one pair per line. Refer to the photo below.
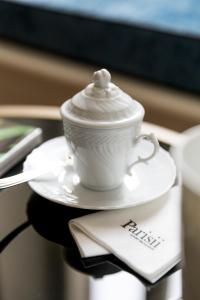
[101,155]
[102,125]
[188,157]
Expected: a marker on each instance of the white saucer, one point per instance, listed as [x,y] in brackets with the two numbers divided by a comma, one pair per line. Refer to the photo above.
[147,182]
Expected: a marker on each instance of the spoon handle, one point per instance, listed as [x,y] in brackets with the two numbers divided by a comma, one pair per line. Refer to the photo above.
[22,177]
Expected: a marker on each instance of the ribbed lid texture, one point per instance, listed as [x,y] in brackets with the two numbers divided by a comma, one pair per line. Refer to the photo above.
[102,101]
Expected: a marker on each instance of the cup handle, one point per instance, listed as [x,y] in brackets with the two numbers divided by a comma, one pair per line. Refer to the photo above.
[152,138]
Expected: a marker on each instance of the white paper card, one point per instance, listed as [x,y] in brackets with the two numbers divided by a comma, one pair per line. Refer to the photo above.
[146,237]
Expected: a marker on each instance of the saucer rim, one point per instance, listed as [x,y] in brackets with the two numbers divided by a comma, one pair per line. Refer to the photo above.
[102,207]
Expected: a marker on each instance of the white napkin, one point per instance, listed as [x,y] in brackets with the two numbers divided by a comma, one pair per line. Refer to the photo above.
[146,237]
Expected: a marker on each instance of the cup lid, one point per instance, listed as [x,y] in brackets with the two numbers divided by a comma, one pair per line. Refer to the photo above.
[102,104]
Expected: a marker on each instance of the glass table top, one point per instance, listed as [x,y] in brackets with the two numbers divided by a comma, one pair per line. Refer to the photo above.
[39,259]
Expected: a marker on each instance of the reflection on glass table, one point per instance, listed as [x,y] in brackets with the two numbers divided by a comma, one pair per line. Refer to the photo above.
[40,260]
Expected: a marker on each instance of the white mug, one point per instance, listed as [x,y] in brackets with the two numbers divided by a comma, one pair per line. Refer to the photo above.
[188,158]
[101,155]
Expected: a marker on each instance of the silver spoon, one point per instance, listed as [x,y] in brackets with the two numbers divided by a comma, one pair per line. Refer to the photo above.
[30,175]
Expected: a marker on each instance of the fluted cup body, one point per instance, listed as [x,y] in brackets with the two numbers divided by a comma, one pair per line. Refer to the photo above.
[100,154]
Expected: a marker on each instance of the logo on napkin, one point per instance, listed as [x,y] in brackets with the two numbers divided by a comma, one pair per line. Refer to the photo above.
[148,239]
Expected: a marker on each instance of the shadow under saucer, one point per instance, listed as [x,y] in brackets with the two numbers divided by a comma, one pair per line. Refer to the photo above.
[50,219]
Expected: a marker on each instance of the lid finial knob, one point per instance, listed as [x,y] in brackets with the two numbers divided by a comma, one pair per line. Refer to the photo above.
[101,78]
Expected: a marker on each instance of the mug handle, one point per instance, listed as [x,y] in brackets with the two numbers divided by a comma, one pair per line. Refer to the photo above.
[153,139]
